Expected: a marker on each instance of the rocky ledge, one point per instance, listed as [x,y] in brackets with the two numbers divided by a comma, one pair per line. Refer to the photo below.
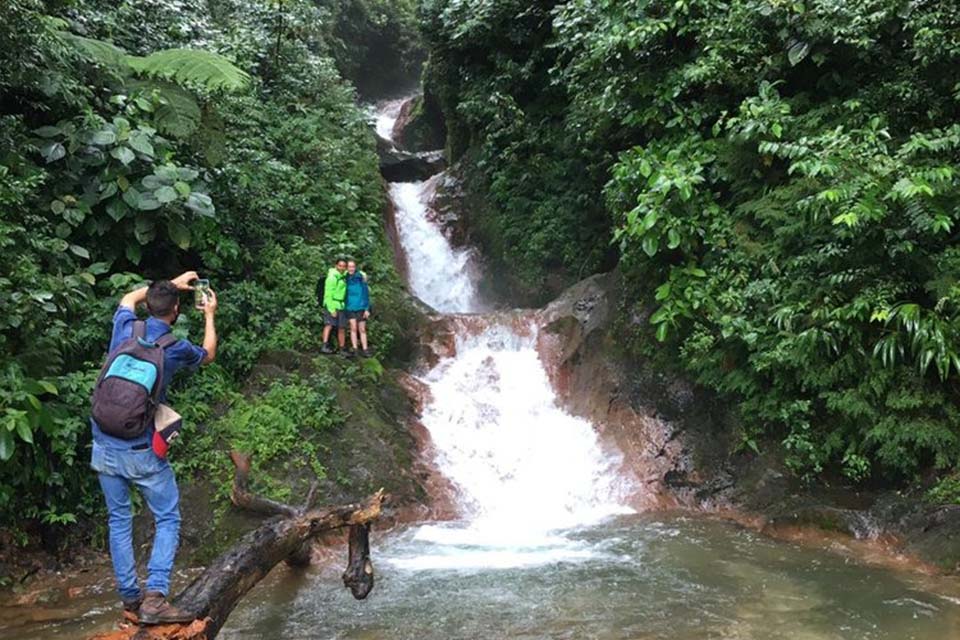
[677,444]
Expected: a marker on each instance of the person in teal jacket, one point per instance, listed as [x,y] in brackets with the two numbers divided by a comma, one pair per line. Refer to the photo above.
[358,307]
[334,298]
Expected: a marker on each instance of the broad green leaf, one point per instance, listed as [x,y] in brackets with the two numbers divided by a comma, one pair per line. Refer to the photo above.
[48,386]
[53,152]
[24,431]
[132,197]
[123,154]
[103,138]
[77,250]
[133,253]
[148,202]
[139,142]
[107,190]
[165,194]
[650,245]
[48,132]
[200,203]
[650,220]
[116,209]
[797,53]
[179,233]
[182,188]
[662,330]
[673,239]
[7,445]
[58,207]
[167,173]
[152,182]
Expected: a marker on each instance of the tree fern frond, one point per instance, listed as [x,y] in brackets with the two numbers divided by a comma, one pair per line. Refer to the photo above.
[185,66]
[192,66]
[179,115]
[98,51]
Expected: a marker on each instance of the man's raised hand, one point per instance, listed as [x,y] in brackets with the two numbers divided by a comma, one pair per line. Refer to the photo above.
[210,304]
[184,279]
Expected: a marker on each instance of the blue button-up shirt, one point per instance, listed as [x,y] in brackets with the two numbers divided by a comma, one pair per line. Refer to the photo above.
[182,354]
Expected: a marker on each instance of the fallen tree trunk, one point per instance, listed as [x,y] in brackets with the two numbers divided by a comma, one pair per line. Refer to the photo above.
[214,593]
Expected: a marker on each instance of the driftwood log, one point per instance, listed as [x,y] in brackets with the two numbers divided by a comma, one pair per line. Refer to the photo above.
[285,537]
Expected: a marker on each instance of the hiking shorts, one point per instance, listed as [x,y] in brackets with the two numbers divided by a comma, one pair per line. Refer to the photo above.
[331,320]
[356,315]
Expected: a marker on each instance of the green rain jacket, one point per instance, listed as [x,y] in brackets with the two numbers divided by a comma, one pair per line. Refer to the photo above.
[334,291]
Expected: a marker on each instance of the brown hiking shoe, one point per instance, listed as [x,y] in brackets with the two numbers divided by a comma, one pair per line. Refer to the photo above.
[156,610]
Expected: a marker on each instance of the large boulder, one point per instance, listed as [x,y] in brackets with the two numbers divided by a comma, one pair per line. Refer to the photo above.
[397,165]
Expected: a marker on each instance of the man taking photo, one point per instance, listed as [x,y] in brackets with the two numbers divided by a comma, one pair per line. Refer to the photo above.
[128,451]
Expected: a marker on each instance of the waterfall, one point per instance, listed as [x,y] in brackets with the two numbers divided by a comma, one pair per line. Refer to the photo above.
[525,471]
[441,276]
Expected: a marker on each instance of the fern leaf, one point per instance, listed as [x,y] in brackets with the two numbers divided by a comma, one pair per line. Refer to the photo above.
[98,51]
[192,66]
[179,115]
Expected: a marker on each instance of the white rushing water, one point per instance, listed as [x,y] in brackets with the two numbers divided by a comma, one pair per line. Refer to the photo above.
[385,118]
[441,276]
[525,470]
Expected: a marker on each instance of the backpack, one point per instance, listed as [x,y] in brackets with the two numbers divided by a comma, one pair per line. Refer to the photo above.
[128,389]
[321,289]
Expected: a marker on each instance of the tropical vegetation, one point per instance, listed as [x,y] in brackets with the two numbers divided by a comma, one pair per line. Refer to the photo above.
[141,139]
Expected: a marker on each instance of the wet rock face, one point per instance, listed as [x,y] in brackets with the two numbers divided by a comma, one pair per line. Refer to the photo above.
[594,380]
[677,441]
[446,205]
[397,165]
[420,125]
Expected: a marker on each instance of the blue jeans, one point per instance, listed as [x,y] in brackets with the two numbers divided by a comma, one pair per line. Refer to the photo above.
[119,469]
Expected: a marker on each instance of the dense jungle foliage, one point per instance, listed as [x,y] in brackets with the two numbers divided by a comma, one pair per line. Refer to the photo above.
[142,138]
[779,179]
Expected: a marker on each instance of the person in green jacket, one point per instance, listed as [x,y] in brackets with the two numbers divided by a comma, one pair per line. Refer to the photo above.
[334,296]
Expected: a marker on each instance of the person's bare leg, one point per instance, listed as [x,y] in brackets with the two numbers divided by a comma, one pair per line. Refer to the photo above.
[353,333]
[341,336]
[326,334]
[363,336]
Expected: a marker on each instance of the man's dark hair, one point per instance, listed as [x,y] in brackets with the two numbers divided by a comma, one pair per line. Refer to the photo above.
[162,298]
[340,259]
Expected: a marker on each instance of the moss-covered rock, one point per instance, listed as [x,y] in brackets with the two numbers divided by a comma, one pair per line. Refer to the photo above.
[420,125]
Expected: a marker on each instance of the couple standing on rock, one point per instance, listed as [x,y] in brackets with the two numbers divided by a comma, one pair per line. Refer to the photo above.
[345,297]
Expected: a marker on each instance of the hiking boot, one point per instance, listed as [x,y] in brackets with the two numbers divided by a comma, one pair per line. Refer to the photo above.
[156,610]
[366,353]
[348,353]
[326,350]
[133,606]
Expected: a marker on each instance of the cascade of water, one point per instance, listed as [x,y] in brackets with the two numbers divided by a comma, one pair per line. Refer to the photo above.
[386,116]
[441,276]
[525,470]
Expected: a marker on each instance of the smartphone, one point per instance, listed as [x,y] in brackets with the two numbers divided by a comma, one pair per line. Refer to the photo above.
[201,289]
